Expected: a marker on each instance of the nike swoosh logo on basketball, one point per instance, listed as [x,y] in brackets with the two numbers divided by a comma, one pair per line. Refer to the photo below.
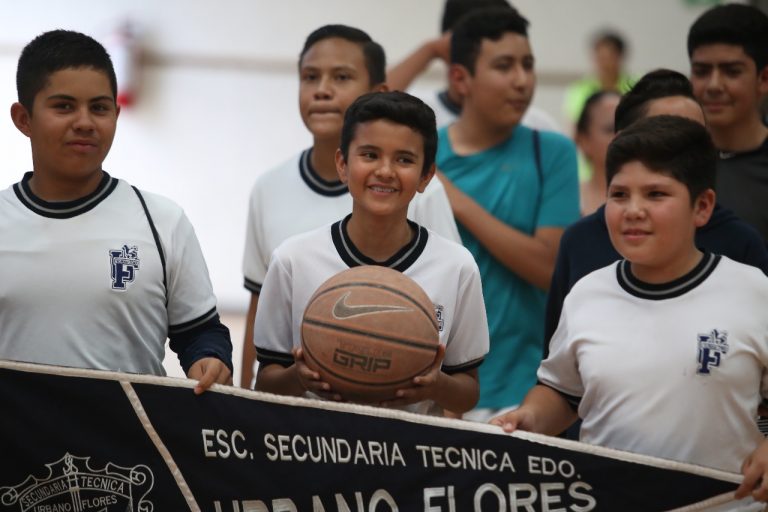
[342,310]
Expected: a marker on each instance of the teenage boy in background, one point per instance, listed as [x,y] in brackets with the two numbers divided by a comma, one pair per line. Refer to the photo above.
[513,190]
[96,274]
[337,65]
[728,50]
[447,101]
[386,157]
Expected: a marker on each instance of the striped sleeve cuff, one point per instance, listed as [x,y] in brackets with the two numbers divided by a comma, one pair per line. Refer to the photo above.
[266,356]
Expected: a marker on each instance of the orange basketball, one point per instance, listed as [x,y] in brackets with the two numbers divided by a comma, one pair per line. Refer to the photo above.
[368,331]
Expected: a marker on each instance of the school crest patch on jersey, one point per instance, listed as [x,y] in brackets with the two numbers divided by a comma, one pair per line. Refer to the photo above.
[712,347]
[440,315]
[124,263]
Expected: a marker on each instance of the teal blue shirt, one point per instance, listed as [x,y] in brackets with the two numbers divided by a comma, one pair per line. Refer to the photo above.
[504,180]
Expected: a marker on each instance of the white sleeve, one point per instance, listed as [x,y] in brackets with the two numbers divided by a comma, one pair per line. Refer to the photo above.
[273,329]
[190,294]
[255,261]
[560,370]
[538,119]
[432,210]
[468,341]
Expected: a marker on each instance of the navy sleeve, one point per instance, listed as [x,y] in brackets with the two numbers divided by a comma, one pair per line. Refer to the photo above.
[756,254]
[558,289]
[210,339]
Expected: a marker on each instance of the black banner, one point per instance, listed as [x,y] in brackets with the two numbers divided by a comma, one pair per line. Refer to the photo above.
[86,441]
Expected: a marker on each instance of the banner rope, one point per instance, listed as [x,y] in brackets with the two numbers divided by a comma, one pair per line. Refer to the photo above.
[133,398]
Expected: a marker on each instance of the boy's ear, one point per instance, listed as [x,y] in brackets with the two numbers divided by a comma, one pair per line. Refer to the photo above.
[341,166]
[425,179]
[762,81]
[21,118]
[459,76]
[703,207]
[382,87]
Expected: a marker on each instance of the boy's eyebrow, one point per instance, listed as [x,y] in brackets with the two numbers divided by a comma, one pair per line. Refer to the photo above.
[72,98]
[512,56]
[367,147]
[341,67]
[728,63]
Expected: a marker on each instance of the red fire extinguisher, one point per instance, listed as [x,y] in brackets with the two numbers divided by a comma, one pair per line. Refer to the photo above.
[124,50]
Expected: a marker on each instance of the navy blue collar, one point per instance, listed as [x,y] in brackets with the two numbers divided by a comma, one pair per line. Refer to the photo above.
[315,181]
[676,288]
[400,261]
[64,209]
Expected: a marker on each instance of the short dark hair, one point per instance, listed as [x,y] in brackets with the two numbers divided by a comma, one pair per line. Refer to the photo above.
[660,83]
[373,53]
[736,24]
[491,24]
[612,38]
[398,107]
[585,118]
[454,10]
[671,145]
[54,51]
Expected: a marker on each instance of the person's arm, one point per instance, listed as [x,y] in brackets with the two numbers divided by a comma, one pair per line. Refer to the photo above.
[755,471]
[401,75]
[205,353]
[558,289]
[195,332]
[432,209]
[293,380]
[544,411]
[457,392]
[530,257]
[249,350]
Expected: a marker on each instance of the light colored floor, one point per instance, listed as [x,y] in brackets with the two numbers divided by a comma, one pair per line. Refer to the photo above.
[236,324]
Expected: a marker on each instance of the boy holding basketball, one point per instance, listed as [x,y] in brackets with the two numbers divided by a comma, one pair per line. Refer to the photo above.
[665,352]
[337,64]
[95,273]
[386,157]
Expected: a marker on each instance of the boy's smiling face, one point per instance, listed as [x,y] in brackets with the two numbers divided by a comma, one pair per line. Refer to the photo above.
[332,75]
[71,126]
[652,223]
[383,169]
[727,84]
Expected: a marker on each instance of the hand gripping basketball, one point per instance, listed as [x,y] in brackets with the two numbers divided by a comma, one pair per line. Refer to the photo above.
[368,331]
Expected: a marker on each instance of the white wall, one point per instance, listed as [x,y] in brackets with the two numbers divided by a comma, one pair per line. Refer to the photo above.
[218,97]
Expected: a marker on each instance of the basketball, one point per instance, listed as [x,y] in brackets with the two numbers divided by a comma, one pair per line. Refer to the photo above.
[368,331]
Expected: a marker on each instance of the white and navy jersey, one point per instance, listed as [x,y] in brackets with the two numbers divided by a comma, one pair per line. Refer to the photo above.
[444,269]
[674,370]
[99,282]
[292,198]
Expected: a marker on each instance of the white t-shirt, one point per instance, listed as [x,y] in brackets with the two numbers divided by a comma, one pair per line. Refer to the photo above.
[82,282]
[291,199]
[674,371]
[444,269]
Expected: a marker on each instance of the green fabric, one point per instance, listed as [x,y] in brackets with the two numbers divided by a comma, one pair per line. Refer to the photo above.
[578,92]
